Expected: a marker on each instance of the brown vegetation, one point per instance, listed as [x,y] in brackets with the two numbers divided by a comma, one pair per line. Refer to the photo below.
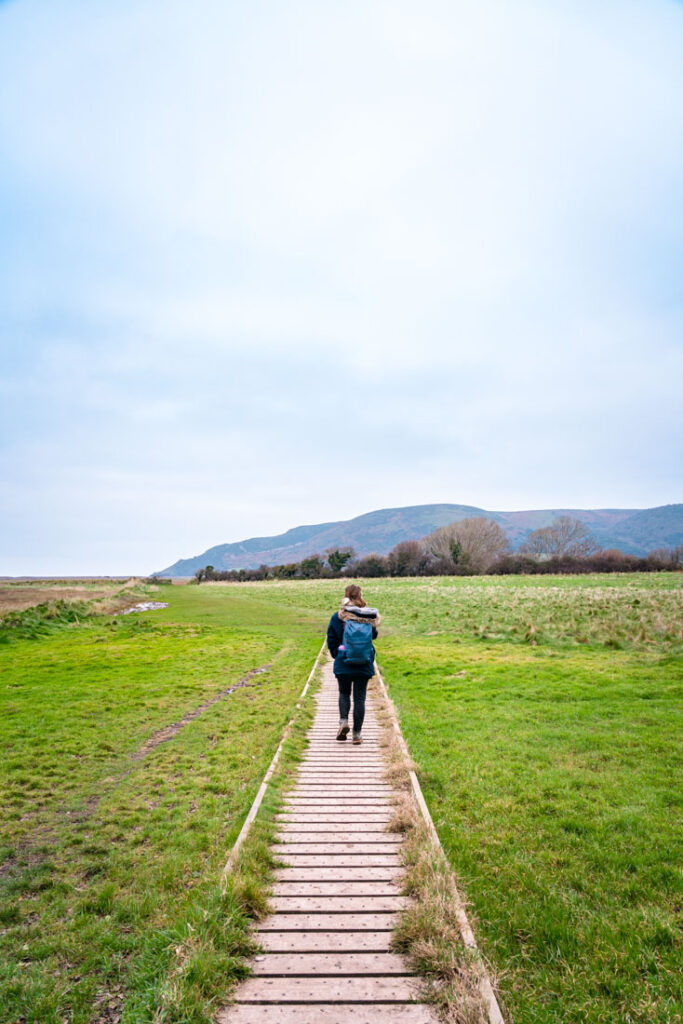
[566,537]
[470,545]
[16,597]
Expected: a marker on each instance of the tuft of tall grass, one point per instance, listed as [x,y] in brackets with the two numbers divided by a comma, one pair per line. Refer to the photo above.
[42,619]
[429,933]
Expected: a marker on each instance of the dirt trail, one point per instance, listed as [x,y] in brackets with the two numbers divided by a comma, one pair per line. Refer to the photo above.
[163,736]
[327,947]
[169,731]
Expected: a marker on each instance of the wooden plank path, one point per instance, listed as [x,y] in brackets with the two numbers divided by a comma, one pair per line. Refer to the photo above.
[326,948]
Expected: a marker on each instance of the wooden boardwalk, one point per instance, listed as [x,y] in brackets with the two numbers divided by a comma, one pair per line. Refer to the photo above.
[336,898]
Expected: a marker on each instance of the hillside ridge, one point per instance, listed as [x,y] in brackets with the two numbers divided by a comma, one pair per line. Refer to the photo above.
[634,531]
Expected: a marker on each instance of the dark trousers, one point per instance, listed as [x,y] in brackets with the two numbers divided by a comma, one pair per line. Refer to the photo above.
[360,686]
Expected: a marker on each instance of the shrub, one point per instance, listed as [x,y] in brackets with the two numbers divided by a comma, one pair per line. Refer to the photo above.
[468,545]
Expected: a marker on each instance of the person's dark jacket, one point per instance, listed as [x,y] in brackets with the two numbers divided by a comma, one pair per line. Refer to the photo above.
[335,636]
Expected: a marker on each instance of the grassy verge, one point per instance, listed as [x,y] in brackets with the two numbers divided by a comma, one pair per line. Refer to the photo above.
[110,902]
[429,934]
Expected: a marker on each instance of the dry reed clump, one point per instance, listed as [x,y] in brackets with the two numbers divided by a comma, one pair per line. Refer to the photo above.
[429,933]
[121,598]
[404,816]
[397,764]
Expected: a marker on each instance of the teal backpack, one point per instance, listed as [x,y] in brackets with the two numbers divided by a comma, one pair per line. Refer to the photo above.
[358,643]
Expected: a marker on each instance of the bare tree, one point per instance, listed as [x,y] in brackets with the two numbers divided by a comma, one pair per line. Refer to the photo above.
[665,558]
[538,543]
[408,558]
[371,565]
[472,545]
[565,537]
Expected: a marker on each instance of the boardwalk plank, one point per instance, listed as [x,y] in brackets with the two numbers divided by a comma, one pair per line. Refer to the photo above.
[361,873]
[352,887]
[325,941]
[343,903]
[329,989]
[342,846]
[341,1013]
[295,834]
[339,964]
[328,922]
[330,861]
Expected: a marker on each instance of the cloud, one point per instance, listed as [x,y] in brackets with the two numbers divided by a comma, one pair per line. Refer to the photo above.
[231,233]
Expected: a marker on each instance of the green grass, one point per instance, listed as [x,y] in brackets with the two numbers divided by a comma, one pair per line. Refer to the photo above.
[552,781]
[111,866]
[544,717]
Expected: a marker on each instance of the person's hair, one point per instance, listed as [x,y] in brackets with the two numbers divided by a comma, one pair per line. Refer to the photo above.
[354,593]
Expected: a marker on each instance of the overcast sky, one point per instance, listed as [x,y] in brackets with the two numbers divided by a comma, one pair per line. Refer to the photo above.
[273,263]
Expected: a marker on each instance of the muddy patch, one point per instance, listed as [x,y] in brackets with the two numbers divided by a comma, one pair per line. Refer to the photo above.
[109,1006]
[143,606]
[169,731]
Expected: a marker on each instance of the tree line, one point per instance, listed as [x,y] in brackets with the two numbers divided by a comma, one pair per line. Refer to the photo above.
[468,547]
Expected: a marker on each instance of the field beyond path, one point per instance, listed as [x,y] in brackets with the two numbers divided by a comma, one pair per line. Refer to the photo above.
[544,716]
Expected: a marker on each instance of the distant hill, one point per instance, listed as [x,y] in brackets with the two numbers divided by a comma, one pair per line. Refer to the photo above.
[635,531]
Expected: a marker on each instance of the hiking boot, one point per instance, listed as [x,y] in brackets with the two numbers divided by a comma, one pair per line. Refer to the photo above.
[357,738]
[343,729]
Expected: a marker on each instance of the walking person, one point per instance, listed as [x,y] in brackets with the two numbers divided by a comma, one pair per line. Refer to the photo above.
[349,639]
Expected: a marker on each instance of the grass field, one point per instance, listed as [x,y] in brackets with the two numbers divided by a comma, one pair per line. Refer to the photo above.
[545,718]
[110,905]
[544,715]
